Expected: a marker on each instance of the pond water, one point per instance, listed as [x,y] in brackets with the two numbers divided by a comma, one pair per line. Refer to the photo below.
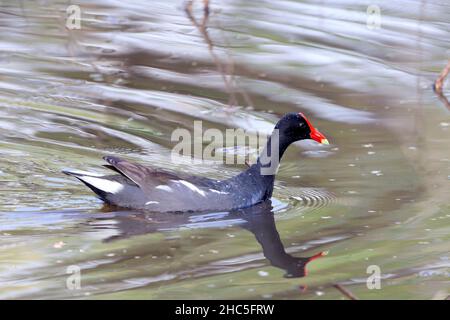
[136,71]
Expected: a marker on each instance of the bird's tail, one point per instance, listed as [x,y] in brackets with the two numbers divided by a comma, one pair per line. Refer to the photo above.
[99,184]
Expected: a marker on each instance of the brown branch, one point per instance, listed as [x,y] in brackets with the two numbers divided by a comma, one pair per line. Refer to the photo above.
[206,8]
[438,85]
[203,31]
[345,292]
[231,65]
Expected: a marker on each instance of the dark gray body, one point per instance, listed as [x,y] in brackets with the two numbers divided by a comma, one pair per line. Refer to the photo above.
[140,187]
[147,188]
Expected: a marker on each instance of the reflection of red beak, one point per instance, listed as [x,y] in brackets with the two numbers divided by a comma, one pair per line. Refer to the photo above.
[317,255]
[314,257]
[317,136]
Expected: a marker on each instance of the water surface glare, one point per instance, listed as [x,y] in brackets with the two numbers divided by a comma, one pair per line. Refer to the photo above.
[134,72]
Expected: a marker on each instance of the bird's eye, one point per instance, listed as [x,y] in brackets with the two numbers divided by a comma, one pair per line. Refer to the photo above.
[301,125]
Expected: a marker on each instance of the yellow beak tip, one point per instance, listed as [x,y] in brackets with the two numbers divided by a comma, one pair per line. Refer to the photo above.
[324,141]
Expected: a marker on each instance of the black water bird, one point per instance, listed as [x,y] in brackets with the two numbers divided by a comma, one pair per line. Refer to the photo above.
[141,187]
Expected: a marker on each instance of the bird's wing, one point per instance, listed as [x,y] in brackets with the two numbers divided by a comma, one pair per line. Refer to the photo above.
[147,177]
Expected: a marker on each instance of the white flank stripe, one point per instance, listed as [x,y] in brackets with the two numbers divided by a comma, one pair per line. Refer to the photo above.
[103,184]
[219,192]
[192,187]
[85,173]
[165,188]
[151,202]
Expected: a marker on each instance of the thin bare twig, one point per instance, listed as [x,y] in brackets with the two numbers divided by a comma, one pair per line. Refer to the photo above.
[438,85]
[203,31]
[345,292]
[231,65]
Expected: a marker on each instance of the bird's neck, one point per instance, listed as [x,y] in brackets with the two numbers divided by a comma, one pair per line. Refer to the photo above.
[261,175]
[269,159]
[268,162]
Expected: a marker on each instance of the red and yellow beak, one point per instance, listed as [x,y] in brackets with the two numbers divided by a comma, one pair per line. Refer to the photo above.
[319,137]
[315,134]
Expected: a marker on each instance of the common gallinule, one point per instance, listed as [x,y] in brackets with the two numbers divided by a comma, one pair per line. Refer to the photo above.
[141,187]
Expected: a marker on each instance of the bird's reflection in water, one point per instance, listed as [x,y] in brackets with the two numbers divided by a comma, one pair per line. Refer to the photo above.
[258,219]
[262,224]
